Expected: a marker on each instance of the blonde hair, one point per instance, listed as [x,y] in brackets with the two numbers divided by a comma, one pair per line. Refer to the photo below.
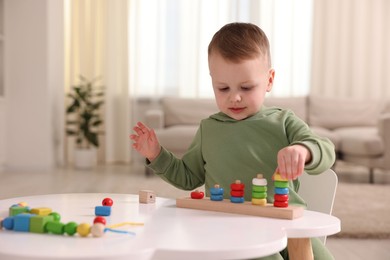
[240,41]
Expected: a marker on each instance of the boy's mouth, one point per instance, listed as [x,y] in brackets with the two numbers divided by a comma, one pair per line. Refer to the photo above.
[236,110]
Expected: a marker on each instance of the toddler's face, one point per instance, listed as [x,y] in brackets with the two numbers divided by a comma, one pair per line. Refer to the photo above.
[240,88]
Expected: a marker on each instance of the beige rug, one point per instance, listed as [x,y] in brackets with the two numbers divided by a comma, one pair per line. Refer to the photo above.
[364,210]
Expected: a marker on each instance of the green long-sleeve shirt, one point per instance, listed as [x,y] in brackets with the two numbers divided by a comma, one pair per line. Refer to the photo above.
[225,150]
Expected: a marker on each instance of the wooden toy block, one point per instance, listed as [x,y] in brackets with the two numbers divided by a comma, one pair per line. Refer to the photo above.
[38,223]
[147,196]
[22,222]
[246,208]
[41,211]
[102,210]
[16,210]
[259,202]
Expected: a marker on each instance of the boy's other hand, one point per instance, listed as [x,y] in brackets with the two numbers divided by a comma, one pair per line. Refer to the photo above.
[291,161]
[145,141]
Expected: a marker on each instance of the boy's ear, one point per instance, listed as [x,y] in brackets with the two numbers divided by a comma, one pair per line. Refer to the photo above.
[271,76]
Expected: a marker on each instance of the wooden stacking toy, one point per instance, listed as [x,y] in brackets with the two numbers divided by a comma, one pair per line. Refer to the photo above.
[216,193]
[259,190]
[237,192]
[281,191]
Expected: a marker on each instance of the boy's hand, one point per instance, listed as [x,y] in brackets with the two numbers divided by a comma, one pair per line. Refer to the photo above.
[291,161]
[145,141]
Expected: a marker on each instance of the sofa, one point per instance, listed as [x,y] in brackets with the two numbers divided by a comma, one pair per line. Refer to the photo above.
[359,129]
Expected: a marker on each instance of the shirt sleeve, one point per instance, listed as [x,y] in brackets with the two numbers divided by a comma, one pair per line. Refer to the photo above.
[322,149]
[187,173]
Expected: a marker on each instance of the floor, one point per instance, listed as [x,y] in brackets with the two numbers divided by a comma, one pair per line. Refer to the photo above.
[131,179]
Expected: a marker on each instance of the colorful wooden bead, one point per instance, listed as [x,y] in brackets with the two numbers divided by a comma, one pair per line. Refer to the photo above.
[55,227]
[56,216]
[84,229]
[237,185]
[38,223]
[41,211]
[281,184]
[23,204]
[281,204]
[260,202]
[237,199]
[216,190]
[216,197]
[278,177]
[102,210]
[71,228]
[259,195]
[281,190]
[97,230]
[259,180]
[259,188]
[22,222]
[281,197]
[237,193]
[197,194]
[100,219]
[107,202]
[147,196]
[8,223]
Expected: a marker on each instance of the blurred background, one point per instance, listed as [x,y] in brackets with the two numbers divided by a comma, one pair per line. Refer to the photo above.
[141,51]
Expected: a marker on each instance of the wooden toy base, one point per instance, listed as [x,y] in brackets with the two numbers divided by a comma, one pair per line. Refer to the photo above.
[246,208]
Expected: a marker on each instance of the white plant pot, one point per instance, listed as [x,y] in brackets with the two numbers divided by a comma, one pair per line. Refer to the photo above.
[85,158]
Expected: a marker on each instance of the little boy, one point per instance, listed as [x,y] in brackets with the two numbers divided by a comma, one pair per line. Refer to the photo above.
[245,137]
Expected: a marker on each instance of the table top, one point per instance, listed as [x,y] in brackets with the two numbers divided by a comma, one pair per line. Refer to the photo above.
[168,232]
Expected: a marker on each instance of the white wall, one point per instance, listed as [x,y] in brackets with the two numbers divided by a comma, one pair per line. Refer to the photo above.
[33,70]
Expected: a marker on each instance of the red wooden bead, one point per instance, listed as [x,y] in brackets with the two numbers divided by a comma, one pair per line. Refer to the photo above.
[281,204]
[107,202]
[281,197]
[99,219]
[237,186]
[237,193]
[197,194]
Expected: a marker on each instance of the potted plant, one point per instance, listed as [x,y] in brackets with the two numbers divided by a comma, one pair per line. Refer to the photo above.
[84,119]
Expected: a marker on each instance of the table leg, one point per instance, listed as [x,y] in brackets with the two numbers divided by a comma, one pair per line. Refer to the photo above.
[300,249]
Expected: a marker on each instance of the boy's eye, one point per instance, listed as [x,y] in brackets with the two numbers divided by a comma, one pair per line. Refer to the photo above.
[224,89]
[246,88]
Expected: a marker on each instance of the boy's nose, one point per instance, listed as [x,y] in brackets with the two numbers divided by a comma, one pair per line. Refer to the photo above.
[235,97]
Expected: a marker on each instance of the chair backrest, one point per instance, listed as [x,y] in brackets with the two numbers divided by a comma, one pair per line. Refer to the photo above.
[319,191]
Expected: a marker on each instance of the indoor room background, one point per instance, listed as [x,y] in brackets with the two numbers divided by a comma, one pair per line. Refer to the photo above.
[145,50]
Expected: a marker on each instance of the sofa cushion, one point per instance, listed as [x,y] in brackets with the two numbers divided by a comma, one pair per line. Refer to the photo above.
[177,139]
[333,112]
[187,111]
[360,141]
[331,135]
[297,104]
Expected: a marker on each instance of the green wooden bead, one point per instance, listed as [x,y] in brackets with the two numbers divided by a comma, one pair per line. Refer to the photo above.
[259,188]
[259,195]
[56,216]
[71,228]
[55,227]
[281,184]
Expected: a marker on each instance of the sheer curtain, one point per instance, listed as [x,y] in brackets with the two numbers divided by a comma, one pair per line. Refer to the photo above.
[96,45]
[351,49]
[169,39]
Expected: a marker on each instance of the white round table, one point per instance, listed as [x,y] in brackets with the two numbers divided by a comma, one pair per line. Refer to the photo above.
[168,232]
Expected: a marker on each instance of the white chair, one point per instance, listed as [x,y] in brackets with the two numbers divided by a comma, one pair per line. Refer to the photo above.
[319,192]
